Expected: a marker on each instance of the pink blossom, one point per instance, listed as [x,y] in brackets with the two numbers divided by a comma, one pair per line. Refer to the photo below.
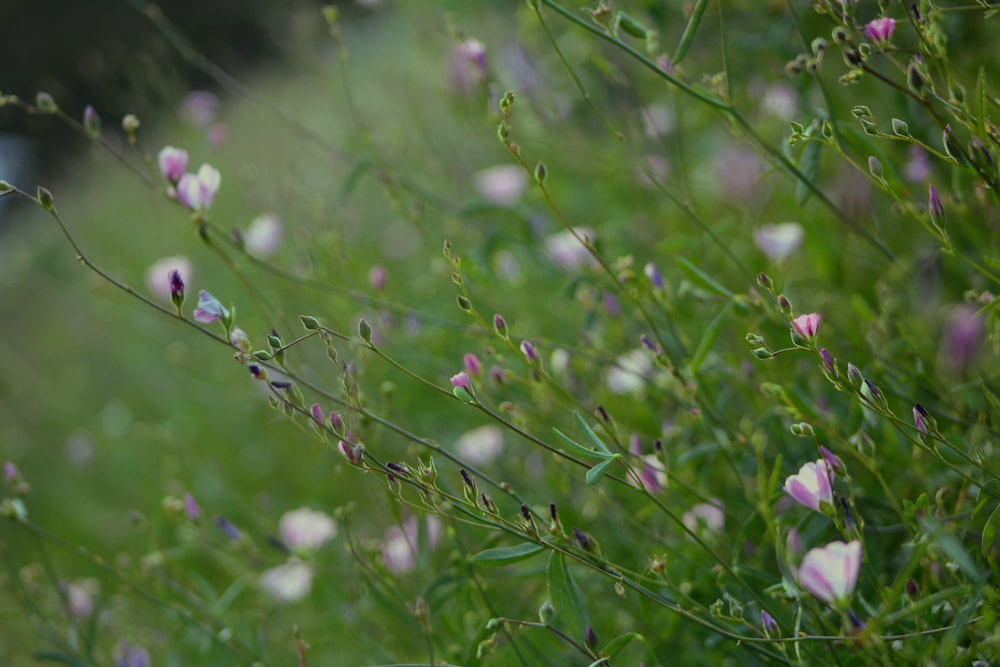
[705,518]
[806,325]
[377,277]
[811,486]
[880,30]
[306,530]
[831,572]
[501,185]
[173,162]
[197,191]
[461,380]
[471,363]
[474,52]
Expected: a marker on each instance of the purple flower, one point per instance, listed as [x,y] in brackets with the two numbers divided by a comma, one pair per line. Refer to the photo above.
[880,30]
[200,108]
[811,486]
[191,508]
[500,325]
[164,289]
[806,325]
[317,413]
[831,572]
[228,528]
[197,191]
[9,471]
[962,339]
[335,421]
[209,308]
[377,277]
[528,350]
[654,275]
[129,655]
[918,418]
[768,623]
[173,162]
[239,339]
[827,358]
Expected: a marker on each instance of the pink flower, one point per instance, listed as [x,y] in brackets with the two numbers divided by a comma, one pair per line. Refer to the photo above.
[811,486]
[198,191]
[502,185]
[461,380]
[377,277]
[471,363]
[706,519]
[806,325]
[209,308]
[474,52]
[880,30]
[305,530]
[173,162]
[831,572]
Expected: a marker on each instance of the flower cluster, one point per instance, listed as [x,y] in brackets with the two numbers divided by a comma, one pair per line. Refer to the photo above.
[195,191]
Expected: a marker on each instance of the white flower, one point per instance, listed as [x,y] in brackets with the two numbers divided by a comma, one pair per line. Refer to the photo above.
[263,236]
[566,250]
[480,445]
[502,185]
[780,240]
[399,551]
[197,191]
[705,518]
[628,374]
[289,582]
[306,530]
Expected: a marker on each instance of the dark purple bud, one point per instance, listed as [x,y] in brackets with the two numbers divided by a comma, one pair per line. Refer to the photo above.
[856,622]
[526,513]
[129,655]
[785,305]
[397,468]
[645,341]
[827,358]
[765,281]
[583,539]
[228,528]
[316,412]
[191,508]
[611,306]
[471,363]
[176,288]
[603,414]
[911,587]
[254,370]
[467,479]
[281,384]
[848,517]
[853,374]
[590,638]
[553,513]
[91,122]
[335,422]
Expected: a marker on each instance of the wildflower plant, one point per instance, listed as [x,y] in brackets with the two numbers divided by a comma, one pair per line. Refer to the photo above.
[613,349]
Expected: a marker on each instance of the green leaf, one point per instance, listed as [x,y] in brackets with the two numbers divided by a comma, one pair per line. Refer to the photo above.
[707,340]
[595,474]
[578,448]
[620,642]
[990,532]
[589,432]
[565,597]
[507,555]
[702,279]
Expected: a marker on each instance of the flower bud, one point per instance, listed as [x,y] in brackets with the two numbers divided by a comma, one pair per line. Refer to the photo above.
[45,103]
[528,350]
[540,173]
[500,326]
[46,200]
[365,331]
[309,322]
[176,289]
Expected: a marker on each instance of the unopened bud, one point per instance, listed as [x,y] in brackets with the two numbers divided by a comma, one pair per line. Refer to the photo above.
[500,325]
[46,200]
[875,168]
[762,353]
[914,79]
[540,172]
[91,122]
[45,103]
[365,331]
[309,322]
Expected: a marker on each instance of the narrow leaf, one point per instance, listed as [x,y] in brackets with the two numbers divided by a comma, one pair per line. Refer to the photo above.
[990,532]
[595,474]
[589,432]
[689,31]
[620,642]
[578,448]
[702,279]
[507,555]
[707,340]
[565,597]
